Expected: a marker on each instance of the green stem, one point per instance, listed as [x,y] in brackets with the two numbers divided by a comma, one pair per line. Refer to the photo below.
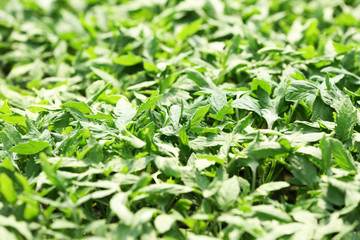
[253,181]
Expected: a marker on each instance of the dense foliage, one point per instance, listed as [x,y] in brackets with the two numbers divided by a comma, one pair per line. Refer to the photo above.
[168,119]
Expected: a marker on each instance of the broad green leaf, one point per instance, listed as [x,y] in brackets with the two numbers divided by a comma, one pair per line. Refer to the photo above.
[303,170]
[168,166]
[199,116]
[31,147]
[31,210]
[20,226]
[340,71]
[125,112]
[247,103]
[266,188]
[269,212]
[259,150]
[340,48]
[63,224]
[148,104]
[189,29]
[128,60]
[166,188]
[268,107]
[95,90]
[5,108]
[105,76]
[100,116]
[50,171]
[13,119]
[242,124]
[220,115]
[163,223]
[211,158]
[346,119]
[228,192]
[80,106]
[265,85]
[326,149]
[301,90]
[183,137]
[341,155]
[312,32]
[199,79]
[143,216]
[218,100]
[6,163]
[321,111]
[10,136]
[175,115]
[118,206]
[5,234]
[7,188]
[133,140]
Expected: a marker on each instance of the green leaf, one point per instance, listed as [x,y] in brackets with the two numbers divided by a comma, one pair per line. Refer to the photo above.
[242,124]
[175,115]
[118,206]
[5,108]
[268,107]
[20,226]
[265,85]
[220,115]
[341,155]
[247,103]
[259,150]
[133,140]
[10,136]
[166,188]
[5,234]
[31,210]
[163,223]
[321,111]
[303,170]
[105,76]
[189,29]
[345,120]
[8,165]
[269,212]
[63,224]
[325,146]
[266,188]
[183,136]
[301,90]
[80,106]
[31,147]
[228,192]
[217,100]
[340,71]
[13,119]
[128,60]
[124,111]
[340,48]
[199,79]
[199,116]
[51,172]
[7,188]
[312,32]
[168,166]
[148,104]
[95,90]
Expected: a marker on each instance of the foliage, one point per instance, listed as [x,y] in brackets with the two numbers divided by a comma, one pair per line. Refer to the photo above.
[167,119]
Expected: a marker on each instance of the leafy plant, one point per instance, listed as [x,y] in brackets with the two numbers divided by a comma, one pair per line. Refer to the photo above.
[208,119]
